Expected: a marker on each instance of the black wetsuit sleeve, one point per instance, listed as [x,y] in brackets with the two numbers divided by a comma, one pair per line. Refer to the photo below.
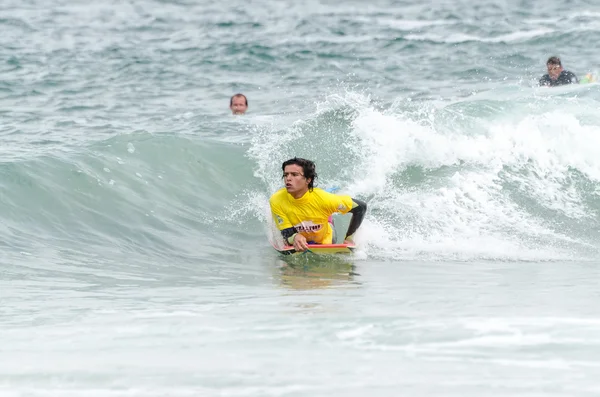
[358,213]
[545,80]
[287,233]
[566,77]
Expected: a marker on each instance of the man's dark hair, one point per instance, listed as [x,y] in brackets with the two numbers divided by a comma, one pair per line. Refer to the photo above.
[308,169]
[553,61]
[238,96]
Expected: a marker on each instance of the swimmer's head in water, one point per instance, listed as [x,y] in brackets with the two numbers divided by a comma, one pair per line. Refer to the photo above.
[238,104]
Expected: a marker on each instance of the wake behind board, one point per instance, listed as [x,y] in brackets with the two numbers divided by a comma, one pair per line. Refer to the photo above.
[319,249]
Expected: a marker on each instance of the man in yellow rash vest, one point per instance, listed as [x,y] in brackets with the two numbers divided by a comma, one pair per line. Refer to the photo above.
[303,213]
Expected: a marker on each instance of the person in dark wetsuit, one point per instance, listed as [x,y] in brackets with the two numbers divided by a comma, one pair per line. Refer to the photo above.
[556,74]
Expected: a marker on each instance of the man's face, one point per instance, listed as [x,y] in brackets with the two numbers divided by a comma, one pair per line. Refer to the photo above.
[295,182]
[554,70]
[238,105]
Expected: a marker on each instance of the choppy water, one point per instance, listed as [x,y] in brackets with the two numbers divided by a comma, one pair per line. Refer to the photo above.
[134,253]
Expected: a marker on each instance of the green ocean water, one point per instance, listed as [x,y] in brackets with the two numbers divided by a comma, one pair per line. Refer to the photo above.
[134,236]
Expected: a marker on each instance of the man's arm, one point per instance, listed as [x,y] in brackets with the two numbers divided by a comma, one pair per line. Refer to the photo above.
[573,78]
[289,234]
[292,237]
[359,208]
[283,224]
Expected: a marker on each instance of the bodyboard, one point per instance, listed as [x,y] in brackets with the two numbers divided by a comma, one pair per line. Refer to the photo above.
[319,249]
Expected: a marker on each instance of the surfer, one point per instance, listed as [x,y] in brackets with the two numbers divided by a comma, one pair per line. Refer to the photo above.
[556,74]
[238,104]
[303,213]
